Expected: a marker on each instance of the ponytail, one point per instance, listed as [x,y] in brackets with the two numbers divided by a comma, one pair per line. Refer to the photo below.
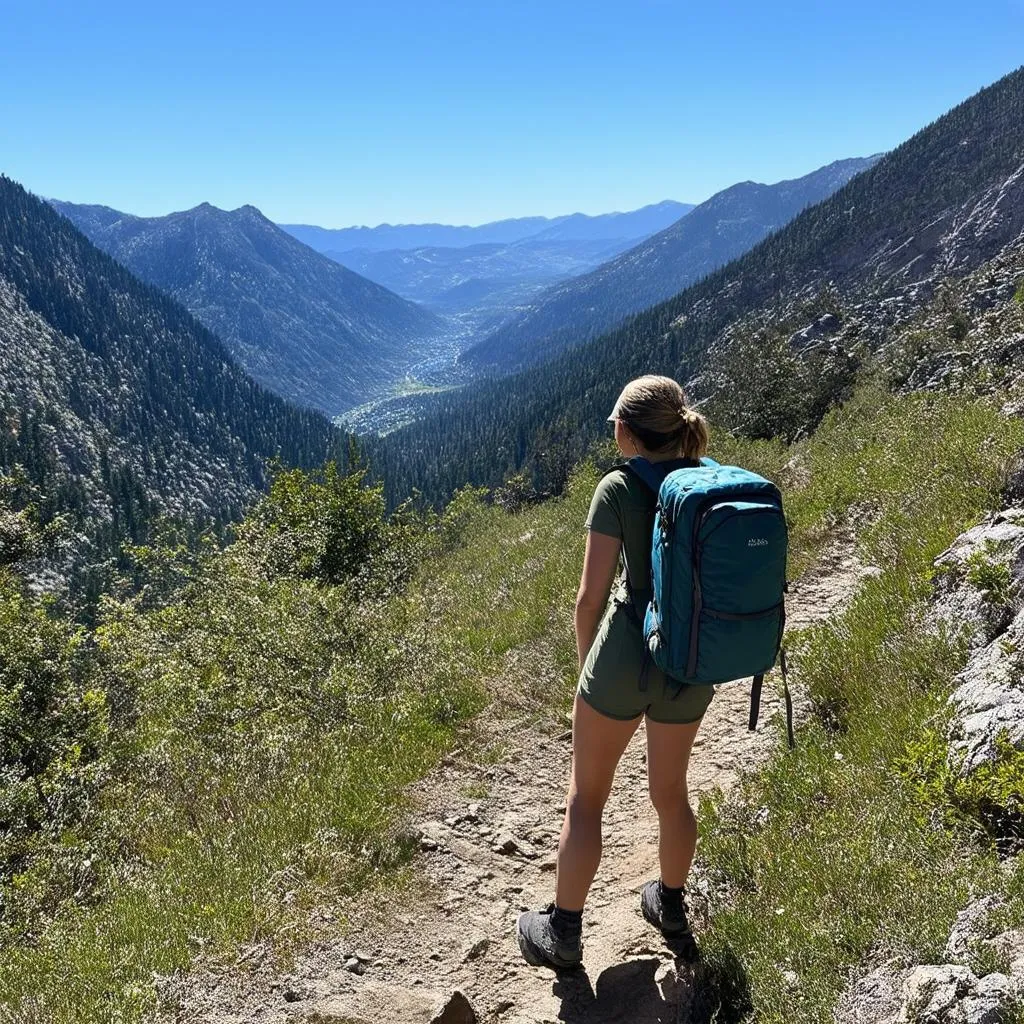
[655,411]
[694,437]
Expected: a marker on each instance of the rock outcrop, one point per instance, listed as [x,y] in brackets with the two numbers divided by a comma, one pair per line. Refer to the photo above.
[980,589]
[948,993]
[979,593]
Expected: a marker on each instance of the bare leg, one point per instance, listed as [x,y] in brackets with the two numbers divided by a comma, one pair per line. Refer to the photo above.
[668,757]
[597,745]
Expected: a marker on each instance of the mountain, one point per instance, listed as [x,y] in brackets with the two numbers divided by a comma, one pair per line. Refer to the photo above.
[577,226]
[939,206]
[637,224]
[117,404]
[487,280]
[301,324]
[715,232]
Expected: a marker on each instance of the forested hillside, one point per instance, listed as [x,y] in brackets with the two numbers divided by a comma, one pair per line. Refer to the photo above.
[936,207]
[301,324]
[118,406]
[715,232]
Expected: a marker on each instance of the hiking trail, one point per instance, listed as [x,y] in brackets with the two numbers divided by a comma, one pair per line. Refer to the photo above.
[484,860]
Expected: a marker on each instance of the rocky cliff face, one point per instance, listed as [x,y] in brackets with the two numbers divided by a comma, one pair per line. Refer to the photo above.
[983,583]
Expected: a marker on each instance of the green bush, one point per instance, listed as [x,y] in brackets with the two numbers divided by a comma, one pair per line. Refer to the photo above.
[990,798]
[323,525]
[992,577]
[53,747]
[763,388]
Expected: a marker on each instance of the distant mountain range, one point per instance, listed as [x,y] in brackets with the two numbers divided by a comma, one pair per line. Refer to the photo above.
[116,403]
[715,232]
[576,226]
[489,281]
[944,203]
[306,327]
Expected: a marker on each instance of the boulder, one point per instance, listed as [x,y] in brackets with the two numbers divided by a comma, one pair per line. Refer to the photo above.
[951,994]
[873,999]
[933,993]
[962,600]
[825,326]
[1010,947]
[988,702]
[980,589]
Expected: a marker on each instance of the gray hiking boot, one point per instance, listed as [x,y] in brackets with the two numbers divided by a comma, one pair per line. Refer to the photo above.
[542,946]
[666,914]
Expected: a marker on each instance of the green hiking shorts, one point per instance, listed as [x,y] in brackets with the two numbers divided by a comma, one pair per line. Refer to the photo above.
[613,681]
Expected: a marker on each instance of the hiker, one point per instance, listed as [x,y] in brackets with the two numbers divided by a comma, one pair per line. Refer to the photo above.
[619,685]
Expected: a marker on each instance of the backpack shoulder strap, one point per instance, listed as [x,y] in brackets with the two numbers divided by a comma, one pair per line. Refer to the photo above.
[650,474]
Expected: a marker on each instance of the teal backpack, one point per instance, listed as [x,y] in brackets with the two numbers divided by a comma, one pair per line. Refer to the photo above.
[716,608]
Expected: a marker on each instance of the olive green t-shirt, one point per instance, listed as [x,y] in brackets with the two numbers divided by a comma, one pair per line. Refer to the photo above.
[623,507]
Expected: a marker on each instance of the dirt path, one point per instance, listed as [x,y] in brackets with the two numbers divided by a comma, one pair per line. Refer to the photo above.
[485,859]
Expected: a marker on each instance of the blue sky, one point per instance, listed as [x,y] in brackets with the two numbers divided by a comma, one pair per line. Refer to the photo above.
[339,113]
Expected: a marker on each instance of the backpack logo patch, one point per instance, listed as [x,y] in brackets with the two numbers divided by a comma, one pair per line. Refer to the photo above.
[757,542]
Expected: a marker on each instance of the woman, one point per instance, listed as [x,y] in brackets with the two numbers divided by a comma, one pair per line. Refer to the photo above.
[619,685]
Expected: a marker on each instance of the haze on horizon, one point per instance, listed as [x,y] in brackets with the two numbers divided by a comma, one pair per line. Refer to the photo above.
[468,113]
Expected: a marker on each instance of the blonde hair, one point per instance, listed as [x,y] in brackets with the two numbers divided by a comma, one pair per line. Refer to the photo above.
[654,410]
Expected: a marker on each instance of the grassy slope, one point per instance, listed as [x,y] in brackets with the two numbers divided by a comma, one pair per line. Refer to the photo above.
[277,726]
[848,864]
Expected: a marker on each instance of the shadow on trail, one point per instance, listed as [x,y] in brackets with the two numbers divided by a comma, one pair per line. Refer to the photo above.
[692,991]
[719,990]
[625,992]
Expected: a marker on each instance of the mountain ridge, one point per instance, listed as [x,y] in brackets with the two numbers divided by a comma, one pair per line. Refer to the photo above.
[303,325]
[627,224]
[486,280]
[716,231]
[119,405]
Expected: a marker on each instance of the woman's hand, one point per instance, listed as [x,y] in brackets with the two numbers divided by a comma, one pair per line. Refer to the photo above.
[600,563]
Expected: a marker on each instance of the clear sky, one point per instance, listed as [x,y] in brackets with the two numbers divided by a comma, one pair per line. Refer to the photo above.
[340,113]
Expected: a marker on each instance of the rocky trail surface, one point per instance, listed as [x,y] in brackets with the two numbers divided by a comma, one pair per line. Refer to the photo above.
[485,859]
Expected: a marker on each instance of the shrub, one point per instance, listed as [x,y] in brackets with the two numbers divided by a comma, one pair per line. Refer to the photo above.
[991,798]
[53,745]
[516,493]
[330,527]
[763,388]
[992,577]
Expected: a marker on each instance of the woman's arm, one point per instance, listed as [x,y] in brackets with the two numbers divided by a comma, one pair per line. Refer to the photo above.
[600,563]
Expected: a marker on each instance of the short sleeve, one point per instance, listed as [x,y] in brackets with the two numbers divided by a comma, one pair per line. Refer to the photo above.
[605,515]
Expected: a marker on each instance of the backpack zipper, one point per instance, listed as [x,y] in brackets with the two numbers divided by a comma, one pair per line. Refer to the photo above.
[665,529]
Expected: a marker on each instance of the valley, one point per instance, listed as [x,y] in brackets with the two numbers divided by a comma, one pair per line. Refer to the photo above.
[436,371]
